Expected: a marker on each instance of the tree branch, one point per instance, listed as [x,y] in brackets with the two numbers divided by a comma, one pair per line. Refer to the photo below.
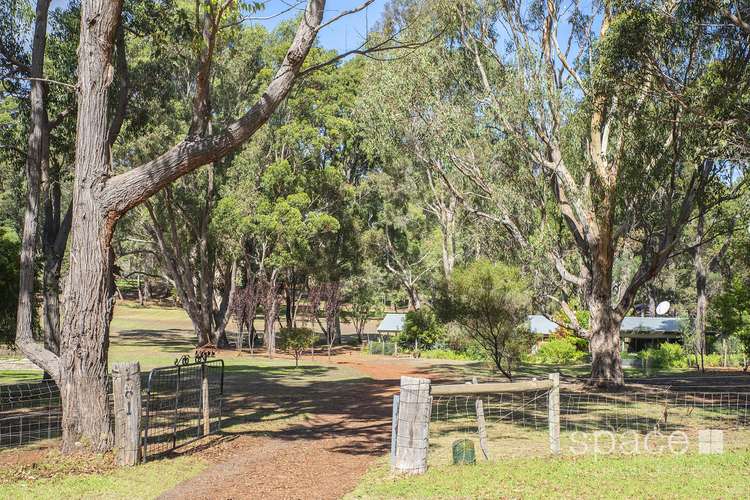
[125,191]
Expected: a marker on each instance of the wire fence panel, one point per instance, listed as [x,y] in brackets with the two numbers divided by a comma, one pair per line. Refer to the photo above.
[29,413]
[173,405]
[517,424]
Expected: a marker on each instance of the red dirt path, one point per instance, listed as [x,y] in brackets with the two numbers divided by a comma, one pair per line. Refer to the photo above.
[322,458]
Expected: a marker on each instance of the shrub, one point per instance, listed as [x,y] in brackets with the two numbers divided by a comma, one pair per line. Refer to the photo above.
[561,351]
[384,348]
[490,302]
[10,262]
[297,340]
[421,329]
[667,355]
[451,355]
[713,360]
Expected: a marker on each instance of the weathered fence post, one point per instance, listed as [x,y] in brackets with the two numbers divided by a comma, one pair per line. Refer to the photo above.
[394,429]
[554,413]
[126,386]
[414,408]
[481,425]
[205,403]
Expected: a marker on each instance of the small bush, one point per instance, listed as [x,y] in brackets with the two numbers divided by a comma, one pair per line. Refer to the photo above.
[560,351]
[667,355]
[297,340]
[490,302]
[384,348]
[451,355]
[713,360]
[421,329]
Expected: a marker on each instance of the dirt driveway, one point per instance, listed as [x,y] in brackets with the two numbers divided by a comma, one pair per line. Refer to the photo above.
[320,458]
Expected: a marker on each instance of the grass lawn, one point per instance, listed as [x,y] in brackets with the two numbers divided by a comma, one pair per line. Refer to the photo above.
[19,376]
[665,476]
[58,477]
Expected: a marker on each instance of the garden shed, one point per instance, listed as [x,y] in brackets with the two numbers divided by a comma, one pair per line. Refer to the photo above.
[392,324]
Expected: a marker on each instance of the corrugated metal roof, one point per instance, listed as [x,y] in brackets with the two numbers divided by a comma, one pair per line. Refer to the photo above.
[658,324]
[392,323]
[540,324]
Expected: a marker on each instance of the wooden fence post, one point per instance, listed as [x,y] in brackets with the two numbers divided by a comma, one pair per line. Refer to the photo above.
[554,413]
[412,439]
[481,425]
[126,386]
[205,402]
[394,429]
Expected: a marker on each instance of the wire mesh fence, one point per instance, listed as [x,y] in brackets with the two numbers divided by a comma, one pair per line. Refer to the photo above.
[29,413]
[173,408]
[516,424]
[173,405]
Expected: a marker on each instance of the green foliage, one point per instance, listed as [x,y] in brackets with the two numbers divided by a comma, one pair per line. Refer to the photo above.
[363,293]
[296,340]
[10,251]
[559,351]
[712,360]
[421,329]
[452,355]
[667,355]
[583,317]
[730,312]
[490,302]
[385,348]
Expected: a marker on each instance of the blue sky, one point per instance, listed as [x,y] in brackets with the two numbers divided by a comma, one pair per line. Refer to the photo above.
[345,34]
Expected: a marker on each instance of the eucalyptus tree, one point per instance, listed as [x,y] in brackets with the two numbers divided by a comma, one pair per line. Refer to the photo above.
[52,153]
[101,196]
[302,166]
[363,292]
[196,253]
[398,232]
[277,226]
[416,116]
[615,112]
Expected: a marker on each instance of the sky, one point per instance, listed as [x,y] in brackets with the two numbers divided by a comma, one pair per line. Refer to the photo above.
[345,34]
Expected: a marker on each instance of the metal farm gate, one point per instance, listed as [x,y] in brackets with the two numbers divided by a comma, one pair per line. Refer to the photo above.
[182,403]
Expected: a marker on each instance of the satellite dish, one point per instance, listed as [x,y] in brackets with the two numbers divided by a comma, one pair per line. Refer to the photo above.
[663,308]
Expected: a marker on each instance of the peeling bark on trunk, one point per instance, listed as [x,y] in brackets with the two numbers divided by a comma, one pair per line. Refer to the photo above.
[36,164]
[89,299]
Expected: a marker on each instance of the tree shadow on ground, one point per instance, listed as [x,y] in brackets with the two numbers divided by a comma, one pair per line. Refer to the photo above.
[169,340]
[356,410]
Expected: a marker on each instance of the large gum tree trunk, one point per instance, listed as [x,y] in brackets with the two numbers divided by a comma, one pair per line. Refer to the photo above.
[89,301]
[604,326]
[89,292]
[606,361]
